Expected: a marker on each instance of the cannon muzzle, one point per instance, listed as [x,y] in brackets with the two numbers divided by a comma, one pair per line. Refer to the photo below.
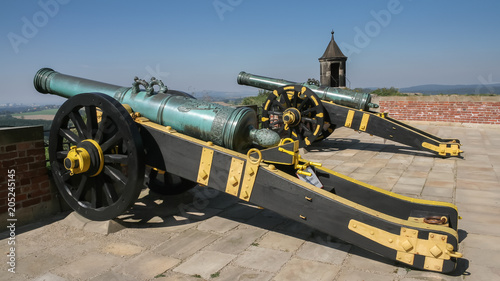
[337,95]
[233,128]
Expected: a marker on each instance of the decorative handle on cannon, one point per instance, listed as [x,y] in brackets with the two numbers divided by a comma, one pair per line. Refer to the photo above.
[149,87]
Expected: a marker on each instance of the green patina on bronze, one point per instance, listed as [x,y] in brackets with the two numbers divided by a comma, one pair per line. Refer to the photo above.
[337,95]
[234,128]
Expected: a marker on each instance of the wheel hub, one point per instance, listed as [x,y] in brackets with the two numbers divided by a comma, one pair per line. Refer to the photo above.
[291,117]
[86,157]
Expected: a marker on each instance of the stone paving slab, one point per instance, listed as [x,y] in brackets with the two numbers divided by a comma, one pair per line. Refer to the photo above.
[483,242]
[407,189]
[359,275]
[146,266]
[51,277]
[112,276]
[263,259]
[266,220]
[122,249]
[205,264]
[88,266]
[237,240]
[186,244]
[279,241]
[232,273]
[217,224]
[37,264]
[363,260]
[205,234]
[175,276]
[298,269]
[324,251]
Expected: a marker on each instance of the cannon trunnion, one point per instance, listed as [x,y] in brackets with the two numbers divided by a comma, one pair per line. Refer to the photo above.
[100,150]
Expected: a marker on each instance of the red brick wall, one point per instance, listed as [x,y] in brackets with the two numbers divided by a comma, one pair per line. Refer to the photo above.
[22,151]
[457,109]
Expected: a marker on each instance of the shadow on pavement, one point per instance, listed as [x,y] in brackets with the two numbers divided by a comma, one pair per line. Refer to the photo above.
[201,203]
[339,144]
[35,225]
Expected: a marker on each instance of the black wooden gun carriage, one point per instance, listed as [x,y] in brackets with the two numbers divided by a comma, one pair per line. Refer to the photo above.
[308,112]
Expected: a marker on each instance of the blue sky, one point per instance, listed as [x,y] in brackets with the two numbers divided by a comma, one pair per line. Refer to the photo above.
[201,46]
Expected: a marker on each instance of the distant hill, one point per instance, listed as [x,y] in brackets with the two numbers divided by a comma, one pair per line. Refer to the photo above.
[28,109]
[435,89]
[9,121]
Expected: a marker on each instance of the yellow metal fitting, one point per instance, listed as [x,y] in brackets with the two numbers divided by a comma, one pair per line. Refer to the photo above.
[436,251]
[252,160]
[234,176]
[285,140]
[407,244]
[300,167]
[77,161]
[364,122]
[451,253]
[233,181]
[348,120]
[384,115]
[128,108]
[300,172]
[203,174]
[290,117]
[101,156]
[251,169]
[443,149]
[205,166]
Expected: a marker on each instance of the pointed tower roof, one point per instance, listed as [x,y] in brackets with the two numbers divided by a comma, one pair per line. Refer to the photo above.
[332,51]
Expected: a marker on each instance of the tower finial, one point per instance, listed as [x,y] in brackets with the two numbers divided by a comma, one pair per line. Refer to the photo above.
[332,34]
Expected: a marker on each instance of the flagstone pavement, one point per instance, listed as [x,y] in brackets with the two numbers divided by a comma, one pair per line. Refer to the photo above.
[208,235]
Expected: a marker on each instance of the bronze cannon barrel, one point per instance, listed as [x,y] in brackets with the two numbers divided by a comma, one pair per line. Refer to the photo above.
[337,95]
[233,128]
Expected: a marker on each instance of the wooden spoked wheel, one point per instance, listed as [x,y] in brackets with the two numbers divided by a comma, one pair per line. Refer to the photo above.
[294,112]
[96,156]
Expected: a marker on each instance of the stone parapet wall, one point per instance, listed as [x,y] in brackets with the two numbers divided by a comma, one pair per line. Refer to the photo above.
[25,189]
